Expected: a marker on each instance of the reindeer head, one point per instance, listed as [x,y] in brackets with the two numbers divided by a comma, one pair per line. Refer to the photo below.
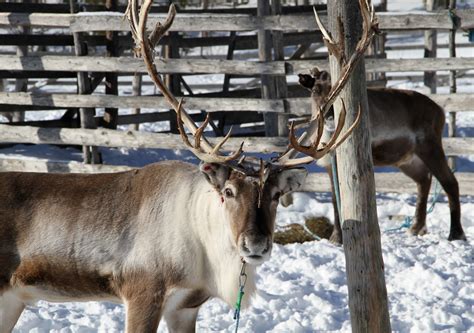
[318,83]
[249,205]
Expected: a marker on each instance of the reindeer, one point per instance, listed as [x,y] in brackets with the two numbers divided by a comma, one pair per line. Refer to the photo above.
[406,130]
[162,239]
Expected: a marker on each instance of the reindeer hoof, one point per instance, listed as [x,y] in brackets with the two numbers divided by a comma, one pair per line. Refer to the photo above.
[336,238]
[457,236]
[417,230]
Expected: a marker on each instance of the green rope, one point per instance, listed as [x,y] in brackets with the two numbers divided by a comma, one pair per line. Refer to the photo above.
[238,304]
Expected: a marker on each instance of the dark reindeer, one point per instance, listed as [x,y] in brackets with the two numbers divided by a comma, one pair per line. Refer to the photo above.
[406,131]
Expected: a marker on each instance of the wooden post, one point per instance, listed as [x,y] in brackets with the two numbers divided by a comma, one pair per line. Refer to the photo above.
[430,49]
[136,91]
[452,80]
[368,303]
[21,85]
[90,153]
[378,49]
[172,80]
[221,116]
[281,86]
[111,81]
[265,54]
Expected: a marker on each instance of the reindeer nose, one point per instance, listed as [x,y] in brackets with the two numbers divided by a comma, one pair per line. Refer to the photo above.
[254,247]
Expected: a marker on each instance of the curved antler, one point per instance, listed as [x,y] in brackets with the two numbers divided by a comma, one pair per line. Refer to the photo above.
[313,151]
[144,46]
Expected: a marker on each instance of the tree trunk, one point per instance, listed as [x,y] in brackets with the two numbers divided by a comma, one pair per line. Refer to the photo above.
[368,303]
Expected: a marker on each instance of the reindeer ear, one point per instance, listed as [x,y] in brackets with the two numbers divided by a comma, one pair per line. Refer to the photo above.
[306,81]
[216,174]
[291,179]
[325,76]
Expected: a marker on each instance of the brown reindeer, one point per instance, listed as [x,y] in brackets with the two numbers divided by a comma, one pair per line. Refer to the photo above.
[162,239]
[406,130]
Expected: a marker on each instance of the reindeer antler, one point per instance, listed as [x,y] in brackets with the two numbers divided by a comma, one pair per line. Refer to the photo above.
[370,28]
[144,45]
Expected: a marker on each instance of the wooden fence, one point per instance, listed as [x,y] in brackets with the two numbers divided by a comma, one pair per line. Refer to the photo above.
[290,28]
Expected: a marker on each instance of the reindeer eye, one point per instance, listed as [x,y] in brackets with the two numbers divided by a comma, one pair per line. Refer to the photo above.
[276,196]
[228,193]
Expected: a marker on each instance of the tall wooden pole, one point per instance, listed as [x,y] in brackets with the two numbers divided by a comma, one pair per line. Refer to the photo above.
[368,303]
[452,79]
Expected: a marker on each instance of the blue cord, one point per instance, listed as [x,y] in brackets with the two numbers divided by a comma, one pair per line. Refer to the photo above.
[409,219]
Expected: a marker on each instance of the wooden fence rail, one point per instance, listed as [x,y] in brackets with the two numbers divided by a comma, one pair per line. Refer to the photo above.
[217,66]
[296,106]
[106,21]
[135,139]
[316,182]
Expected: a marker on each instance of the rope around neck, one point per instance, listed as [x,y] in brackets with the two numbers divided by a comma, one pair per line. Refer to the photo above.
[238,304]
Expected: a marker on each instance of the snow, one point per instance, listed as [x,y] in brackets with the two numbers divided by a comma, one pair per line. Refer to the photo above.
[302,288]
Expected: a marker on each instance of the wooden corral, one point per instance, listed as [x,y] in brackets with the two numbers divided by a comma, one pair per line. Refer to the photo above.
[265,47]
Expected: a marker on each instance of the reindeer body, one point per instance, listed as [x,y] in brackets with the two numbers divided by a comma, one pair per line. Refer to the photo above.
[406,132]
[160,239]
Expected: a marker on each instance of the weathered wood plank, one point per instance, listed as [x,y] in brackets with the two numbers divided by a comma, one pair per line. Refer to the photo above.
[395,182]
[450,103]
[131,65]
[152,102]
[217,66]
[296,106]
[133,139]
[391,65]
[102,21]
[52,166]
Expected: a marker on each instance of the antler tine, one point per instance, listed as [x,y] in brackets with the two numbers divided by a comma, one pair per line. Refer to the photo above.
[321,26]
[318,153]
[144,47]
[181,130]
[308,150]
[200,131]
[223,141]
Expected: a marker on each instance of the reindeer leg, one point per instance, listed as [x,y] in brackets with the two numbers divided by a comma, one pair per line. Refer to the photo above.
[183,320]
[181,310]
[433,156]
[143,297]
[336,236]
[10,310]
[143,314]
[417,170]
